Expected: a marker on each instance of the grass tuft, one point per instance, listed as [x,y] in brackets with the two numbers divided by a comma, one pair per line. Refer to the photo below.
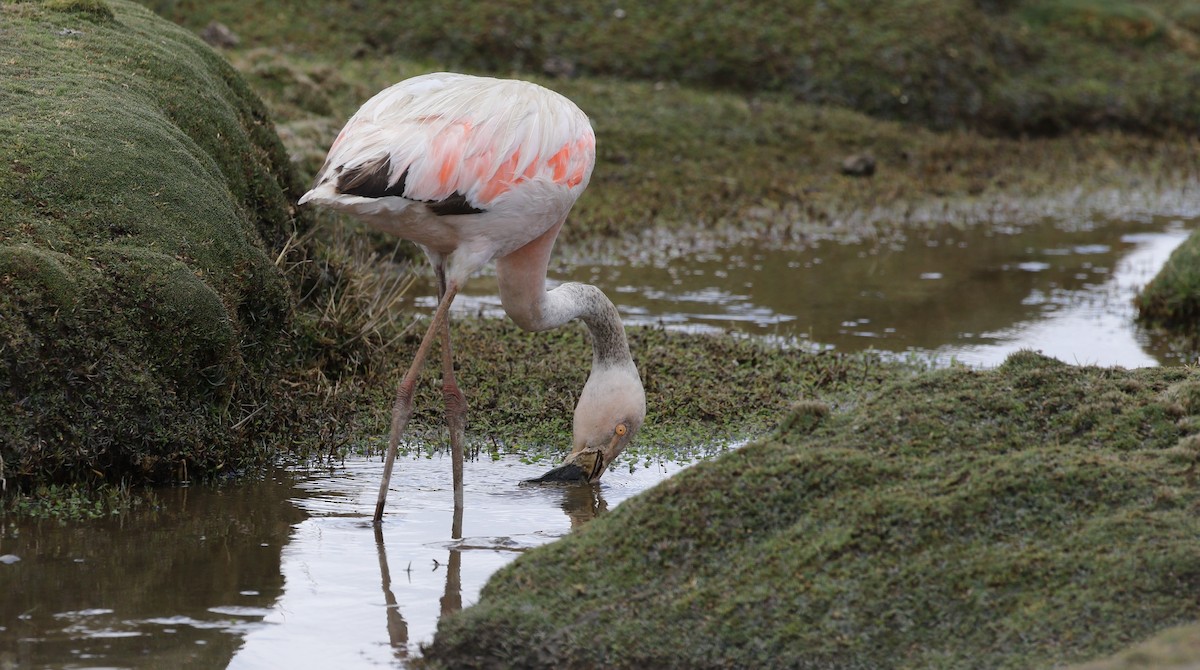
[95,10]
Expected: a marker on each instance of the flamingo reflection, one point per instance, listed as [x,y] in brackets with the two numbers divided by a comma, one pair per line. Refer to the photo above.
[580,502]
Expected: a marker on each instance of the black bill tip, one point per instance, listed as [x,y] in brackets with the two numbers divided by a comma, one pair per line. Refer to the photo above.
[568,473]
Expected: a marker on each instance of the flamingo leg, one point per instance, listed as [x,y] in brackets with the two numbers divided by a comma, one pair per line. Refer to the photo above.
[402,410]
[456,412]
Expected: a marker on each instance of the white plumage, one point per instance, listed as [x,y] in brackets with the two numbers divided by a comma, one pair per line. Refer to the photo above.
[519,152]
[474,169]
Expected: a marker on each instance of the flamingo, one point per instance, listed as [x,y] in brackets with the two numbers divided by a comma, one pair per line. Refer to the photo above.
[475,169]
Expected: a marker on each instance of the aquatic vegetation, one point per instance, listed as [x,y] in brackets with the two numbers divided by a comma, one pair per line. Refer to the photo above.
[703,393]
[75,502]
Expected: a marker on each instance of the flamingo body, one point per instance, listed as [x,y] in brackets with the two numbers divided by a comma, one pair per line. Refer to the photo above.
[470,168]
[474,169]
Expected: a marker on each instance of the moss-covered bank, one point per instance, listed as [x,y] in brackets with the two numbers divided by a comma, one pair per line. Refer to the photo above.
[1009,66]
[1172,300]
[143,191]
[1019,517]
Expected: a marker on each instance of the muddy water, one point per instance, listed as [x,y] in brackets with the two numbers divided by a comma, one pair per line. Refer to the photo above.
[283,573]
[973,295]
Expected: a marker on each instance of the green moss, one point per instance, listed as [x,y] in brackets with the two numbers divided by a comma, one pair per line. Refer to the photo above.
[1111,21]
[803,417]
[47,270]
[201,353]
[1018,517]
[95,10]
[1008,67]
[1172,298]
[142,188]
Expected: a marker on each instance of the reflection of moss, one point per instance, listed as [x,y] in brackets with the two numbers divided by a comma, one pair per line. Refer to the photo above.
[139,308]
[1019,517]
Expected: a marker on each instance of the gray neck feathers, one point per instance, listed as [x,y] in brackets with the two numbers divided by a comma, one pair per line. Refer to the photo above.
[589,304]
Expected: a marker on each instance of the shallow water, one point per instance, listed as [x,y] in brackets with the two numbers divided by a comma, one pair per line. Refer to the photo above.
[283,573]
[974,294]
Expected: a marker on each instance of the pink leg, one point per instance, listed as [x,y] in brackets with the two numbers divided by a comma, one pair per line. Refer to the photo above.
[402,410]
[456,416]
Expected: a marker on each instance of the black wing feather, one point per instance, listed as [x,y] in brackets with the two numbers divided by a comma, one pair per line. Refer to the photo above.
[370,180]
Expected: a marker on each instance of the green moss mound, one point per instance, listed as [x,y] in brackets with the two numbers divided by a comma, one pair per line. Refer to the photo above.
[1172,299]
[141,187]
[1018,517]
[97,10]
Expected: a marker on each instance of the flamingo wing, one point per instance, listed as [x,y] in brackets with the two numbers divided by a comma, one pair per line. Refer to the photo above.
[459,143]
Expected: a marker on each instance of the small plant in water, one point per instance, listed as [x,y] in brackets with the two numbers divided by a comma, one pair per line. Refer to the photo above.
[76,502]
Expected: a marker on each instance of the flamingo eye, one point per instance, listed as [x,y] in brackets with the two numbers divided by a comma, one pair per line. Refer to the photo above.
[622,429]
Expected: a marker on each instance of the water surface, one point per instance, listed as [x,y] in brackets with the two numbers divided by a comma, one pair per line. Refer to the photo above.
[283,573]
[974,294]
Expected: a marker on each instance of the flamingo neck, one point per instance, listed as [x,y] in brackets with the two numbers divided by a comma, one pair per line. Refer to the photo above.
[589,304]
[522,279]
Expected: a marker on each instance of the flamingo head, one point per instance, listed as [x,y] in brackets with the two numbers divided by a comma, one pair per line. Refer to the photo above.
[610,411]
